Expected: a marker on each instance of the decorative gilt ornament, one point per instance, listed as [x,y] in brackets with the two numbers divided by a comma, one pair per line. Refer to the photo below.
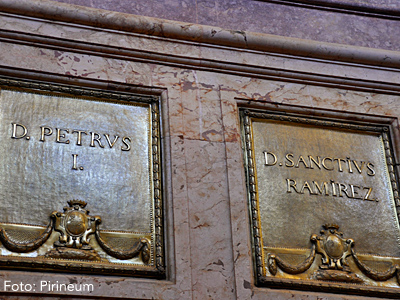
[334,266]
[75,227]
[334,250]
[333,247]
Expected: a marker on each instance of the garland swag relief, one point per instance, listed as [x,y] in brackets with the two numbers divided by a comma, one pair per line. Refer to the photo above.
[75,226]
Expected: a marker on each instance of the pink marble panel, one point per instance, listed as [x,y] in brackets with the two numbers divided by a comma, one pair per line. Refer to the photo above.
[73,64]
[178,167]
[353,101]
[161,77]
[210,233]
[241,239]
[201,110]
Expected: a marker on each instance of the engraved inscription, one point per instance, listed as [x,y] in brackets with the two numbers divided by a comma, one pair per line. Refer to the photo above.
[308,172]
[19,131]
[75,163]
[65,136]
[327,163]
[59,147]
[331,188]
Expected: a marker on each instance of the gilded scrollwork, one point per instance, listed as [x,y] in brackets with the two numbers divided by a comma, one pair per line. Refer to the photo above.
[333,248]
[74,225]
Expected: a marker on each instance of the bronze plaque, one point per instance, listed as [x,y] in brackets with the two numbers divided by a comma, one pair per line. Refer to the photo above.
[66,151]
[323,198]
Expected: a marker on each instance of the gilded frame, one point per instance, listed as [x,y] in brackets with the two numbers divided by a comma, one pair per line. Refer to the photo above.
[266,265]
[150,250]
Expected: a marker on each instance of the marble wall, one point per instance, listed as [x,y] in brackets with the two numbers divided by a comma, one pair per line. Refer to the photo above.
[284,18]
[201,84]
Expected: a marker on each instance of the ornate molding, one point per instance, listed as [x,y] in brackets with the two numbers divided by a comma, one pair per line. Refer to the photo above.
[314,122]
[187,32]
[158,207]
[63,90]
[264,72]
[251,178]
[391,170]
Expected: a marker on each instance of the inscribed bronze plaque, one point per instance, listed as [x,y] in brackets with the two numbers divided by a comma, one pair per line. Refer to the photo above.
[323,200]
[80,180]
